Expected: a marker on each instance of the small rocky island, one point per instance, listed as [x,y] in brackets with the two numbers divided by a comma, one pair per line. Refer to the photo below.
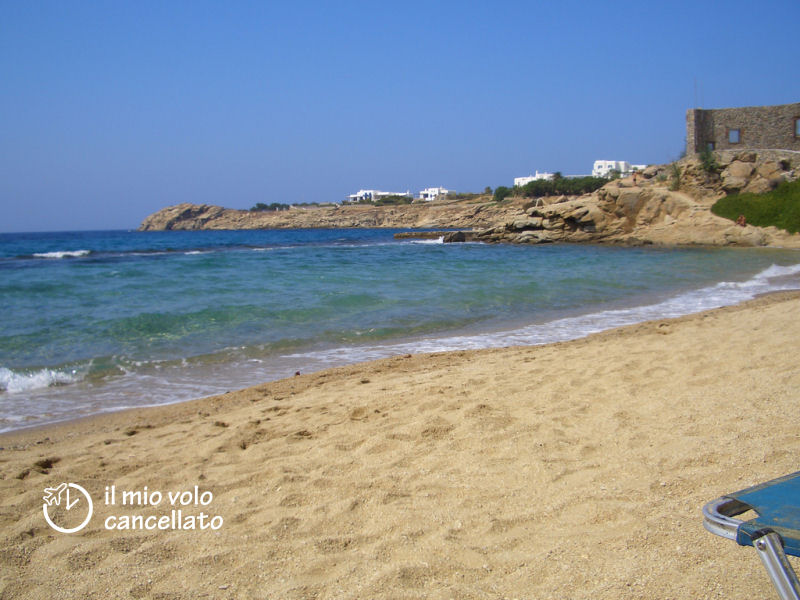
[663,205]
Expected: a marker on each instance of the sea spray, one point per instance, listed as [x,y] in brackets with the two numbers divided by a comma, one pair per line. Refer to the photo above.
[16,382]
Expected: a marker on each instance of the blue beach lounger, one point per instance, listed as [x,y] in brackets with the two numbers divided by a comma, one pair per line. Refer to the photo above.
[774,533]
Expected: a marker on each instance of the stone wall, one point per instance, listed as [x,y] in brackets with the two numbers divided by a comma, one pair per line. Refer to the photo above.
[767,127]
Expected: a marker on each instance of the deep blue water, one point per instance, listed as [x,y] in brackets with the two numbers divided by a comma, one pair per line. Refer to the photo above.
[95,321]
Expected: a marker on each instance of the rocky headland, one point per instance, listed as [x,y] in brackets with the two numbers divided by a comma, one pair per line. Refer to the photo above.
[479,214]
[664,205]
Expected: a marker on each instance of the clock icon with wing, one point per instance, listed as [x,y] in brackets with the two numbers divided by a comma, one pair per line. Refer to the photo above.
[67,507]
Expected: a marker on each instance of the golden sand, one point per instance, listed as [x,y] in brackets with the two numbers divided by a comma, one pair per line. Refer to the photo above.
[573,470]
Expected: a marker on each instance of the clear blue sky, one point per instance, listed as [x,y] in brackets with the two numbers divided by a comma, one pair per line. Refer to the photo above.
[112,110]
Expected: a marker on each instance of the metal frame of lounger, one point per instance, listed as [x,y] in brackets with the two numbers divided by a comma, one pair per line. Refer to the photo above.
[774,533]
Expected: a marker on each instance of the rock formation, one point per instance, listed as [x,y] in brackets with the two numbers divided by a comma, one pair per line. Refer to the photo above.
[665,205]
[480,214]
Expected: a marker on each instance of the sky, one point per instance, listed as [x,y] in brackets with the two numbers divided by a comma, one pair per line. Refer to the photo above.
[112,110]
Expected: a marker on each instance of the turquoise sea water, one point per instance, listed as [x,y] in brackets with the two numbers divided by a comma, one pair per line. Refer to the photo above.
[97,321]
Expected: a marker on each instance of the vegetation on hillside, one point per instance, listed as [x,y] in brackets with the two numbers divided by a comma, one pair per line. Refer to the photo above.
[780,207]
[261,207]
[382,201]
[566,186]
[392,200]
[276,206]
[675,177]
[502,192]
[708,162]
[558,186]
[469,195]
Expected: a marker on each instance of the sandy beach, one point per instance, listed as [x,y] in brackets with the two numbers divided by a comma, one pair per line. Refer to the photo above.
[573,470]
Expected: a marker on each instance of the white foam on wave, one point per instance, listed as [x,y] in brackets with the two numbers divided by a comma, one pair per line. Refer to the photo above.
[773,279]
[14,382]
[63,254]
[439,240]
[356,244]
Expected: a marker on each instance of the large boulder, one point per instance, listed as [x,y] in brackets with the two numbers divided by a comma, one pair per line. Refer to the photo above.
[770,169]
[739,169]
[759,185]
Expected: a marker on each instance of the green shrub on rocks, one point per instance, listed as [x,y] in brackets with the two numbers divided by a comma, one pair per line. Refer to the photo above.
[675,178]
[501,193]
[709,162]
[261,207]
[561,186]
[780,207]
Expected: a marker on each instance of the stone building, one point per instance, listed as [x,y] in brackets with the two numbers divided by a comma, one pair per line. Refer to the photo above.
[760,127]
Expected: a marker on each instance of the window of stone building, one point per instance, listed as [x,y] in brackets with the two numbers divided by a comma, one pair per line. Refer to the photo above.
[711,146]
[734,136]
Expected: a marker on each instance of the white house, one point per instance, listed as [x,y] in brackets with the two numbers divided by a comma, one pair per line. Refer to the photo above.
[603,168]
[433,193]
[520,181]
[372,195]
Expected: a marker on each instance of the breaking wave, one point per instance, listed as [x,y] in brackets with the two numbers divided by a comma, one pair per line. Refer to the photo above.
[63,254]
[773,279]
[14,382]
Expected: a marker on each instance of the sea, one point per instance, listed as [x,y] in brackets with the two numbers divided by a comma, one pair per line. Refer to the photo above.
[98,321]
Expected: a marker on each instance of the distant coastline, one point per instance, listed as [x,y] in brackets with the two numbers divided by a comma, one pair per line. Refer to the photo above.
[666,205]
[478,213]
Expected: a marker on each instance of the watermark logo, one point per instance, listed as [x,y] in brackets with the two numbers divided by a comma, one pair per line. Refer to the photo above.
[71,507]
[68,508]
[182,505]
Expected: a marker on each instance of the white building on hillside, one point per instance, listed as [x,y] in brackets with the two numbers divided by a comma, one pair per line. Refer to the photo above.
[372,195]
[429,194]
[603,168]
[520,181]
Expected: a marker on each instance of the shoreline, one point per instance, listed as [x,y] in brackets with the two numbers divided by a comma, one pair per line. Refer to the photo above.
[104,420]
[75,424]
[557,327]
[72,425]
[574,469]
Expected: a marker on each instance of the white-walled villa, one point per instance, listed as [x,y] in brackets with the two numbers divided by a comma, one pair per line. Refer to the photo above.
[520,181]
[429,194]
[603,168]
[372,195]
